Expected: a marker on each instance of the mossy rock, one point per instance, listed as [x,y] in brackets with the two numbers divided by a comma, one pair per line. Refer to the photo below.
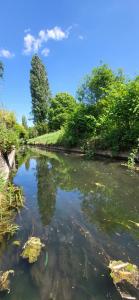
[16,243]
[5,281]
[32,249]
[126,278]
[124,271]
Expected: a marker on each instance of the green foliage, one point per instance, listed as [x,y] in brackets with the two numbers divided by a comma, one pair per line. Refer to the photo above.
[94,86]
[32,132]
[8,138]
[100,80]
[80,125]
[21,132]
[62,105]
[84,93]
[106,115]
[11,133]
[24,122]
[40,91]
[115,106]
[8,118]
[41,128]
[1,69]
[11,199]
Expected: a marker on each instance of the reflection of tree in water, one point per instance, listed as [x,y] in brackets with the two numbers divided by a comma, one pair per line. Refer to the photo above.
[109,207]
[106,209]
[46,189]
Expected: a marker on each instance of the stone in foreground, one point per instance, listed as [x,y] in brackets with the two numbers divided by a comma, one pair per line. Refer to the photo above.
[32,249]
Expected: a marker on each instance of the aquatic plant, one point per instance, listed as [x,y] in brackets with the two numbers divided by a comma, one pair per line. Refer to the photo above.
[5,281]
[11,200]
[32,249]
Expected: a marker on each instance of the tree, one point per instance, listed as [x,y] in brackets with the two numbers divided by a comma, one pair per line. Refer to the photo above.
[94,86]
[24,122]
[40,92]
[62,105]
[1,69]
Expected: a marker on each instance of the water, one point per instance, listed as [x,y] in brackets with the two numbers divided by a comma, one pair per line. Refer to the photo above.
[84,212]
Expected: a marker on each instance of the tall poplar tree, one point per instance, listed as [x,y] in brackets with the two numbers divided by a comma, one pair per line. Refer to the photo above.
[40,92]
[1,69]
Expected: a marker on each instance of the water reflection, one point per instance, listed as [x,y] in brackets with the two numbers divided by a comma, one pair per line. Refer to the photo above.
[46,190]
[82,210]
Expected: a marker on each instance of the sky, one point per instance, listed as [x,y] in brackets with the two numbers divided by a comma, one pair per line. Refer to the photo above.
[70,36]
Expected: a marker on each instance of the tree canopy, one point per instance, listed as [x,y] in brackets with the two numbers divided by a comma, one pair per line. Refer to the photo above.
[62,105]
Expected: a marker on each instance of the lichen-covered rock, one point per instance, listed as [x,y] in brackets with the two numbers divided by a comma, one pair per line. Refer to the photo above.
[32,249]
[5,281]
[126,278]
[124,271]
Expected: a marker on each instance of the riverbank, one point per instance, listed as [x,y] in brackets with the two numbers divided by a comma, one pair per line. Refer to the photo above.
[122,155]
[7,163]
[11,198]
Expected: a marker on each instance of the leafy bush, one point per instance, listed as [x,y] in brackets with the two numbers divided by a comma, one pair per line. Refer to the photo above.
[62,105]
[8,139]
[80,125]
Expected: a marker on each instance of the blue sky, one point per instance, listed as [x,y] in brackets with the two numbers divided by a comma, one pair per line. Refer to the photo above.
[71,37]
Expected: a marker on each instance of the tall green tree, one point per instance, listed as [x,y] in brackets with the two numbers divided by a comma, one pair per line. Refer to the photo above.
[1,69]
[24,122]
[40,91]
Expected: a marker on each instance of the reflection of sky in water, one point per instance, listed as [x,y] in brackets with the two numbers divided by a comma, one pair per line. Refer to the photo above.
[82,212]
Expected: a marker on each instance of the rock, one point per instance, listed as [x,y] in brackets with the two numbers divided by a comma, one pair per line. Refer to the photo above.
[126,278]
[5,281]
[32,249]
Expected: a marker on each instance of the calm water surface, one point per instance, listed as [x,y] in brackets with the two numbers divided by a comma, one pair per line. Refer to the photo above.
[84,212]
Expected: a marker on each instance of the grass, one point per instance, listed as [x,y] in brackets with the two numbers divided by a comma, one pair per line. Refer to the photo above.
[52,138]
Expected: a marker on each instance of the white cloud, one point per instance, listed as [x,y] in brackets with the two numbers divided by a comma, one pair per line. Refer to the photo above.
[45,52]
[33,44]
[6,53]
[57,34]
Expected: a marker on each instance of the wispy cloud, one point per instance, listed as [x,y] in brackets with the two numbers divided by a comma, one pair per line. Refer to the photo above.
[33,44]
[45,52]
[27,30]
[6,53]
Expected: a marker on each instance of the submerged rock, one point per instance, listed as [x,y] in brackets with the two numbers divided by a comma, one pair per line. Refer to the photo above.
[126,278]
[5,281]
[32,249]
[16,243]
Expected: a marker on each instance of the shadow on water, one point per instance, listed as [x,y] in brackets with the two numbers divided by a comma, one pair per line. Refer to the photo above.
[86,213]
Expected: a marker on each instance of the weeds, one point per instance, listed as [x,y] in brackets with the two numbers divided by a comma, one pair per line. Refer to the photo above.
[11,200]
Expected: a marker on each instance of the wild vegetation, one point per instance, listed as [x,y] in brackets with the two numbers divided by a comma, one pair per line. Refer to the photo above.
[11,198]
[11,201]
[104,115]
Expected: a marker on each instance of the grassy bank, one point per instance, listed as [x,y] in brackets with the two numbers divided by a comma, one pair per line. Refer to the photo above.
[53,138]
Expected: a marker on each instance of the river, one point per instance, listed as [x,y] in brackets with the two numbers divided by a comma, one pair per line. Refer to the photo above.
[85,214]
